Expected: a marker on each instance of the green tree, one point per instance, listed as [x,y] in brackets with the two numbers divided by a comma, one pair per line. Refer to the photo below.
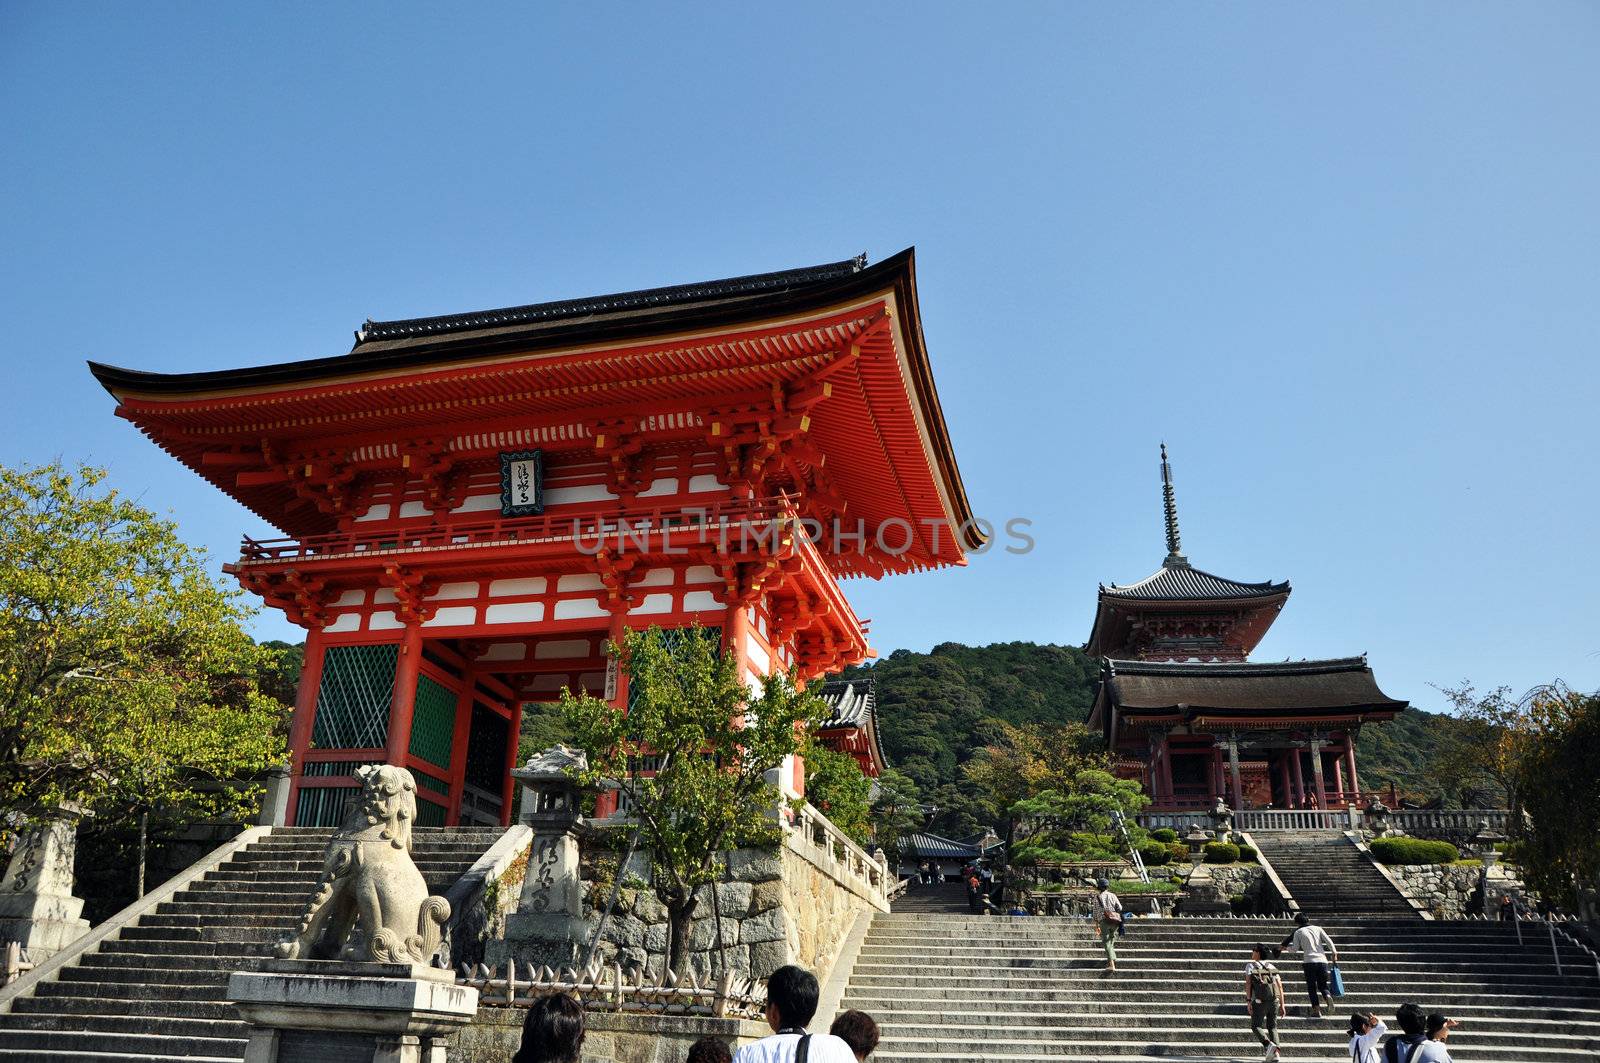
[1078,817]
[1024,759]
[896,812]
[838,788]
[126,680]
[694,777]
[1550,748]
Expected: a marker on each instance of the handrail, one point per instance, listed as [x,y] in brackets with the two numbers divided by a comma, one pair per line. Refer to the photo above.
[820,833]
[709,523]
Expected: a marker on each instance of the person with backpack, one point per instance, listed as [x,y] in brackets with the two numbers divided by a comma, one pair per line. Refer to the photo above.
[1317,953]
[1365,1033]
[792,994]
[1406,1047]
[1108,914]
[1263,995]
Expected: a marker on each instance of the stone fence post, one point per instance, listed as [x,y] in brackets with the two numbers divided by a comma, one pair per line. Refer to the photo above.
[37,908]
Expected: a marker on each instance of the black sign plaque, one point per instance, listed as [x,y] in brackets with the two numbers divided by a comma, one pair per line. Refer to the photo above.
[521,483]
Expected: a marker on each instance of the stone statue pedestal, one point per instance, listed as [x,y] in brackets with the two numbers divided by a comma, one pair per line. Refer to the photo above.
[330,1011]
[548,925]
[37,908]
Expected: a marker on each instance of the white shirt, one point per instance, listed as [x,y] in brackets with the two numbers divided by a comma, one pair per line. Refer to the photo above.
[1364,1046]
[1434,1052]
[1108,902]
[1313,943]
[780,1048]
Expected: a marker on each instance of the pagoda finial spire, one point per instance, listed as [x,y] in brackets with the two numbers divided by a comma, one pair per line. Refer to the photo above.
[1170,504]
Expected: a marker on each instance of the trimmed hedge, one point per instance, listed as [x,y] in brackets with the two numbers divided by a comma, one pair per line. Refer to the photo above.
[1221,853]
[1164,834]
[1154,854]
[1180,852]
[1413,851]
[1247,853]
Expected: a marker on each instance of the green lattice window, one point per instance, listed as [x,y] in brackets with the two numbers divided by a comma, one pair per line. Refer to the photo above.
[429,814]
[432,782]
[324,806]
[433,722]
[353,700]
[672,638]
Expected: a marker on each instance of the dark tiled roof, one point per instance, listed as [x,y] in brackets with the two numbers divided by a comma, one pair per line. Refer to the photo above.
[1182,582]
[649,298]
[931,846]
[1342,683]
[851,703]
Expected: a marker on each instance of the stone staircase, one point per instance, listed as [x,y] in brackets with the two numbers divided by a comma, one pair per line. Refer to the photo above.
[948,988]
[1328,876]
[158,991]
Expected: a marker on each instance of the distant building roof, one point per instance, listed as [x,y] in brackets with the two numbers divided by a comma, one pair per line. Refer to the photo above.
[934,847]
[1342,683]
[853,702]
[853,706]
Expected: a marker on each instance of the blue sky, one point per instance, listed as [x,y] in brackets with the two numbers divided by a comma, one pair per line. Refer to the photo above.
[1343,259]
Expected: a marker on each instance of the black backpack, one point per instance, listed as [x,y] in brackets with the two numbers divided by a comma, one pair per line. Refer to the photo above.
[1401,1048]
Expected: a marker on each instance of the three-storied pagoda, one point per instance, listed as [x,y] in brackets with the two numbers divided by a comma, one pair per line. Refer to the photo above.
[1184,710]
[476,503]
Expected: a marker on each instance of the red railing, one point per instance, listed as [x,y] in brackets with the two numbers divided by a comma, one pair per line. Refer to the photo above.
[756,522]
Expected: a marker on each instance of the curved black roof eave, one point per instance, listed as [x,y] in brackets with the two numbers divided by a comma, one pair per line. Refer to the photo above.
[897,269]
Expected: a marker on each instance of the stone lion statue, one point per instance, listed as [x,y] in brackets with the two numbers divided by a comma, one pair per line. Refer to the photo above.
[371,902]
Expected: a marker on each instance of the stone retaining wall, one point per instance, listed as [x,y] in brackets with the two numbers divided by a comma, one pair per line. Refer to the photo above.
[770,908]
[1449,891]
[610,1037]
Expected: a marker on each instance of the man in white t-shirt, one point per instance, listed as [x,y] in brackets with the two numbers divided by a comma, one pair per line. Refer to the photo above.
[1317,953]
[791,1003]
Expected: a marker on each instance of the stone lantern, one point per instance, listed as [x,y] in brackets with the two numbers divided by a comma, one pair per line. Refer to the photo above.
[1377,814]
[1222,820]
[1196,841]
[551,792]
[1484,843]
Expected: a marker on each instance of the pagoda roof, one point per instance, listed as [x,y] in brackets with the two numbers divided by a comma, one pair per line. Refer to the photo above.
[1181,582]
[664,365]
[1339,683]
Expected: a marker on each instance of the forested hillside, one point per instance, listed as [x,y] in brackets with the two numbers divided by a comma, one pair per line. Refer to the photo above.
[932,708]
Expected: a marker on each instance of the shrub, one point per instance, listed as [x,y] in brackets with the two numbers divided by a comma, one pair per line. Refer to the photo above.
[1154,854]
[1123,889]
[1164,834]
[1247,853]
[1180,852]
[1221,852]
[1413,851]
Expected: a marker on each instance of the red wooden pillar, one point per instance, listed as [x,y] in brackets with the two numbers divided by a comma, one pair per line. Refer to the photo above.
[1166,769]
[404,700]
[1299,778]
[1338,776]
[305,715]
[1350,763]
[508,787]
[605,803]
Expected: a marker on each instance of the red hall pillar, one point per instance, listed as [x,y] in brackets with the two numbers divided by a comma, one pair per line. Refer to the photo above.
[305,714]
[605,802]
[1350,763]
[404,699]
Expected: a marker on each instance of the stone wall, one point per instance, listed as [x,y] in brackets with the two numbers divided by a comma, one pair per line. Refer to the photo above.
[610,1037]
[1449,891]
[771,907]
[1237,879]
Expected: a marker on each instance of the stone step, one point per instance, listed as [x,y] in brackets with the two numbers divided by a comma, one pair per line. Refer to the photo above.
[1135,980]
[99,992]
[238,933]
[189,976]
[1330,1034]
[197,950]
[97,1004]
[73,1044]
[162,1025]
[897,1009]
[31,1055]
[1238,1048]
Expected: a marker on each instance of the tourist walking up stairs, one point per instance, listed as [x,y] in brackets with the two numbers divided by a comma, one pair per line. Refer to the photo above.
[1317,954]
[1108,914]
